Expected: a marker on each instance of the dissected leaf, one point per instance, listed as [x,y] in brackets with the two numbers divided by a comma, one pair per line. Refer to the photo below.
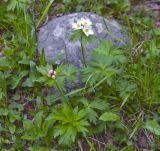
[153,126]
[99,104]
[70,122]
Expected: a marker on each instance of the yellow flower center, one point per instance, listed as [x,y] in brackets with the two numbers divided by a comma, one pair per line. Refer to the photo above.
[78,26]
[86,30]
[85,23]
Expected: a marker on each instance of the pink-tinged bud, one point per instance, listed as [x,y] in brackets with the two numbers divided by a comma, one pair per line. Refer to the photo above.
[53,76]
[54,72]
[50,72]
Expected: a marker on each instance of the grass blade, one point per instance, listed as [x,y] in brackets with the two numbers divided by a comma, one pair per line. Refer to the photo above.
[44,13]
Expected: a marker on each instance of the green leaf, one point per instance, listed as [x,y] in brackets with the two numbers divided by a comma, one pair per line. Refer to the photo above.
[69,123]
[24,61]
[44,69]
[50,99]
[67,1]
[76,35]
[17,79]
[27,124]
[1,94]
[109,54]
[69,136]
[4,64]
[136,128]
[8,52]
[44,13]
[28,83]
[16,97]
[12,128]
[12,5]
[38,119]
[99,104]
[41,79]
[68,72]
[43,58]
[108,116]
[29,137]
[40,148]
[86,39]
[91,115]
[5,112]
[153,126]
[3,85]
[48,123]
[16,4]
[125,100]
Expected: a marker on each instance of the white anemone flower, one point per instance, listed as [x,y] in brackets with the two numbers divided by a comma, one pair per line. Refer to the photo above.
[88,30]
[86,22]
[77,25]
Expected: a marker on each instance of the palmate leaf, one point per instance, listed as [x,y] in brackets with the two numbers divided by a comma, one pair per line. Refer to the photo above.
[34,130]
[69,123]
[98,74]
[105,64]
[17,4]
[126,88]
[109,54]
[69,136]
[68,72]
[91,115]
[91,107]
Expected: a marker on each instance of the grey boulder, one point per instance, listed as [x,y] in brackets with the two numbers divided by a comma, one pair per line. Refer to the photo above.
[54,37]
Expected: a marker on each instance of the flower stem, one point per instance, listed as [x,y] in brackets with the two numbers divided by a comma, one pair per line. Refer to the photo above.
[61,92]
[83,52]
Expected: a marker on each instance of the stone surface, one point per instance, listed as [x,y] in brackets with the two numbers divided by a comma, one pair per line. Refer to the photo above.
[54,37]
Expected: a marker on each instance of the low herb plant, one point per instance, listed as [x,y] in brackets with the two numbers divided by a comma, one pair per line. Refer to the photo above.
[119,97]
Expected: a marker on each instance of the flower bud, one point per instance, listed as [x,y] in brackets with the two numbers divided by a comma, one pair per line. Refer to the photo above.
[53,76]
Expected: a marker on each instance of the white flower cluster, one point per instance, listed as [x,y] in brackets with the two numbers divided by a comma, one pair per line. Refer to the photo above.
[83,24]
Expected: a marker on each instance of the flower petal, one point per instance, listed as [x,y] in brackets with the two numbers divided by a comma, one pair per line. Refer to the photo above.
[88,30]
[86,22]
